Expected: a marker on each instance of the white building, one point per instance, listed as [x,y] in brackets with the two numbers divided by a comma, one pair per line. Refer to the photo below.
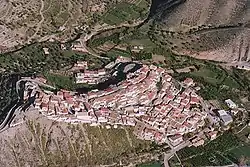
[46,51]
[225,117]
[230,104]
[175,140]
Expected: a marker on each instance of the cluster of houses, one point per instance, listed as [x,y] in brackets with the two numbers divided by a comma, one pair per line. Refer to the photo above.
[158,106]
[98,76]
[92,77]
[88,76]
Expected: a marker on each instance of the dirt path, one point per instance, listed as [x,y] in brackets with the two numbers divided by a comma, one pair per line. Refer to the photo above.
[242,129]
[7,11]
[41,21]
[128,137]
[211,30]
[138,2]
[86,139]
[105,144]
[60,11]
[178,158]
[70,6]
[45,10]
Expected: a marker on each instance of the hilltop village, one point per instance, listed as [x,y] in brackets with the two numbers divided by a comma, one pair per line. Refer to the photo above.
[161,109]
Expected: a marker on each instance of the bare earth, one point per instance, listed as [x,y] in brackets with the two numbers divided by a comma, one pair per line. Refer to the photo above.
[213,29]
[26,21]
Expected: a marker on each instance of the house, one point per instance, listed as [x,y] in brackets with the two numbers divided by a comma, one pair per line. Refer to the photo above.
[153,67]
[60,94]
[41,79]
[188,82]
[122,59]
[44,106]
[149,134]
[82,64]
[101,72]
[110,65]
[197,142]
[141,47]
[243,66]
[46,51]
[175,139]
[194,100]
[225,117]
[230,104]
[248,136]
[212,135]
[234,112]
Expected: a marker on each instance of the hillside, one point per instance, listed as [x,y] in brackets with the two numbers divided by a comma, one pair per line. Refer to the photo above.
[23,22]
[43,142]
[212,29]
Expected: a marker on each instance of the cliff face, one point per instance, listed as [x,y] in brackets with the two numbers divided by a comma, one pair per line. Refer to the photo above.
[213,29]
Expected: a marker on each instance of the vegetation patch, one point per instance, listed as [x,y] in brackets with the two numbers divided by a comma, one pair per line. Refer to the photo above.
[60,81]
[32,58]
[151,164]
[238,153]
[118,52]
[211,153]
[95,42]
[124,11]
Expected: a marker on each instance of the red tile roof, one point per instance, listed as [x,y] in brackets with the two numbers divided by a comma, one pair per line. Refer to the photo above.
[194,100]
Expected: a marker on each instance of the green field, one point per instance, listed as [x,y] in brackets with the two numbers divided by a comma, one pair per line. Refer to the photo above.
[208,159]
[118,52]
[238,153]
[216,77]
[174,162]
[225,150]
[60,81]
[215,82]
[124,11]
[212,154]
[243,150]
[145,42]
[100,40]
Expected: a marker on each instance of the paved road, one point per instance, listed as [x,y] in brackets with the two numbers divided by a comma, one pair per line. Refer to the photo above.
[242,129]
[173,151]
[16,109]
[34,81]
[96,31]
[10,116]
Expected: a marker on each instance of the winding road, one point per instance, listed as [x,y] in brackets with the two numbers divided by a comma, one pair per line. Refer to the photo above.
[173,151]
[107,28]
[19,105]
